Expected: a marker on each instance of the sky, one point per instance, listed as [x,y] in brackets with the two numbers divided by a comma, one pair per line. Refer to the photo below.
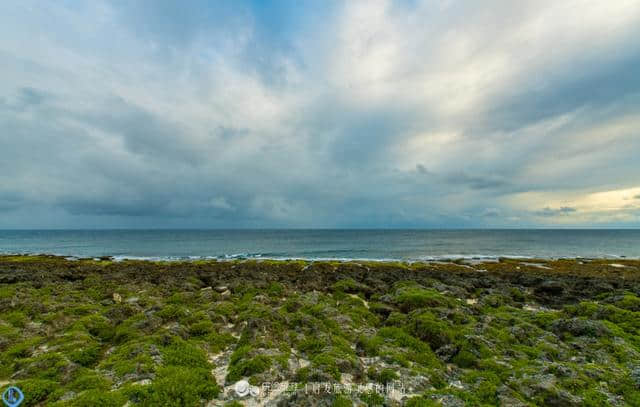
[319,114]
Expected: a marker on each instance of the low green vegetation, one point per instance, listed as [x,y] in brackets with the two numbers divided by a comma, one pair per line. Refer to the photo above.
[105,333]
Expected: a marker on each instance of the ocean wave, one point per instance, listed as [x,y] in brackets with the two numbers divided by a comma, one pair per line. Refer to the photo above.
[320,257]
[435,258]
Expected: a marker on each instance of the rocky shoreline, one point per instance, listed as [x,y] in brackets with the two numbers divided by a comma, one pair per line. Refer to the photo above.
[92,332]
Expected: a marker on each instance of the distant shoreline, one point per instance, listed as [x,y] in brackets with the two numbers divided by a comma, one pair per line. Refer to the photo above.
[589,267]
[434,259]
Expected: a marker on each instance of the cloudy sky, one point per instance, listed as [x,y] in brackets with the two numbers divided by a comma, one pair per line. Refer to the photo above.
[368,113]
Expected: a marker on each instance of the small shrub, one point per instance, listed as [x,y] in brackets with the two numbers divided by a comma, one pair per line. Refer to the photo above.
[98,326]
[327,363]
[432,330]
[372,399]
[311,346]
[36,390]
[86,356]
[90,380]
[387,375]
[465,359]
[179,386]
[369,345]
[171,312]
[248,367]
[414,298]
[201,328]
[92,398]
[420,401]
[629,302]
[275,289]
[182,353]
[341,401]
[16,318]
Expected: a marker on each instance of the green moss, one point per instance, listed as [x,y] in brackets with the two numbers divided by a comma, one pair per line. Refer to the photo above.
[87,356]
[36,390]
[81,310]
[347,285]
[516,294]
[201,328]
[24,258]
[372,399]
[370,346]
[171,312]
[243,364]
[130,358]
[397,319]
[594,398]
[16,318]
[182,353]
[544,319]
[387,375]
[178,298]
[21,350]
[411,298]
[7,291]
[275,289]
[341,401]
[312,346]
[417,351]
[437,379]
[629,302]
[420,401]
[465,359]
[90,380]
[239,353]
[90,344]
[50,366]
[303,374]
[432,330]
[98,326]
[485,386]
[327,363]
[248,367]
[219,341]
[177,386]
[91,398]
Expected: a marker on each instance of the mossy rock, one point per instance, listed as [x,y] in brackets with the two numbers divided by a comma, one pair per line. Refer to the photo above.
[432,330]
[412,298]
[176,386]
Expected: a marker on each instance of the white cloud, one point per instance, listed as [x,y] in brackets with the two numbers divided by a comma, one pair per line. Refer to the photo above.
[421,112]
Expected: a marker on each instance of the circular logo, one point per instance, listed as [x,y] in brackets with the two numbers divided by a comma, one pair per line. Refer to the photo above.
[242,388]
[254,390]
[12,397]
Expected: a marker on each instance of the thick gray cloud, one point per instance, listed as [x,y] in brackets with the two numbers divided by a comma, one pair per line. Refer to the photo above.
[336,114]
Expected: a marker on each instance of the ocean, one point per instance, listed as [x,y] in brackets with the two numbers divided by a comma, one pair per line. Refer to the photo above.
[405,245]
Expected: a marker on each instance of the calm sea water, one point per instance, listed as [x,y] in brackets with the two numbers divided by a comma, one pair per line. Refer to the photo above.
[324,244]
